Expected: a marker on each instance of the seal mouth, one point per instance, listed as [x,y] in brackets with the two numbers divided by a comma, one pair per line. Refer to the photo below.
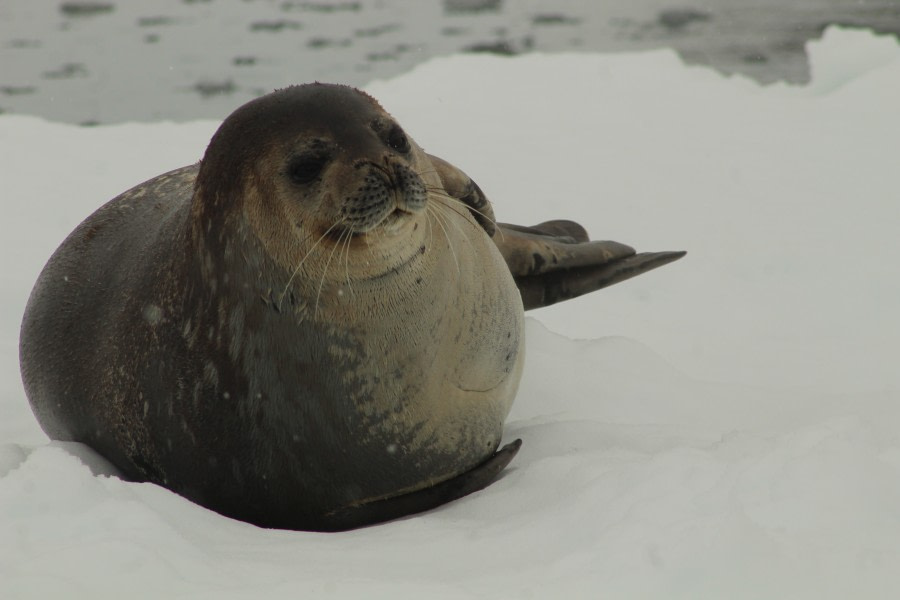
[386,196]
[393,219]
[390,222]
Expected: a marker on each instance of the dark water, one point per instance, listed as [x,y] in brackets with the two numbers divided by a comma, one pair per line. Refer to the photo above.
[92,61]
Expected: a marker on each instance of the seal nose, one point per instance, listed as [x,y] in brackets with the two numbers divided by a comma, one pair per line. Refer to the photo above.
[412,194]
[384,191]
[408,189]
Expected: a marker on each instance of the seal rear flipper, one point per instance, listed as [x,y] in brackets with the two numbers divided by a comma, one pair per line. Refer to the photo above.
[555,286]
[386,509]
[562,230]
[534,250]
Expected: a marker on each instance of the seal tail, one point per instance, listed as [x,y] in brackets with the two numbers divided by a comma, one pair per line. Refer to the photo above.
[377,511]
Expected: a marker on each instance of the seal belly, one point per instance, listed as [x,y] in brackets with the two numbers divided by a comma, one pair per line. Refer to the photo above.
[442,379]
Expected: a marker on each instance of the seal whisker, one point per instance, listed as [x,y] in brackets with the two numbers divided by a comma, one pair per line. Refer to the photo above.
[347,242]
[441,194]
[368,240]
[430,228]
[452,221]
[302,260]
[325,272]
[438,219]
[442,201]
[428,172]
[459,186]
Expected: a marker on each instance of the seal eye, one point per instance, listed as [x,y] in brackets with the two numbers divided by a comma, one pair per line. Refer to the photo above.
[306,168]
[396,139]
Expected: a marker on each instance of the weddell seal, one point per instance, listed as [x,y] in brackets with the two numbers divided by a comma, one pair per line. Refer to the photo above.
[318,327]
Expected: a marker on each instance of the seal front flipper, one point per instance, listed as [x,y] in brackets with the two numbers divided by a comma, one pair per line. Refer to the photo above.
[460,187]
[377,511]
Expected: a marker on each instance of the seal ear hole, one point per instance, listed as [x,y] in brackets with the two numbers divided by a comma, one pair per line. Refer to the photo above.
[397,140]
[306,168]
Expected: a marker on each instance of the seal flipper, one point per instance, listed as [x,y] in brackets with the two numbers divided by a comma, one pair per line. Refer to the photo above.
[552,261]
[562,230]
[460,187]
[532,251]
[563,284]
[377,511]
[556,261]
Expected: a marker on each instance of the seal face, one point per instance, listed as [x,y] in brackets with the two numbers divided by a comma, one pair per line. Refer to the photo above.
[318,327]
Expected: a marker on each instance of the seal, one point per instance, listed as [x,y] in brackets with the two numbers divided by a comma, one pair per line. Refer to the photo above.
[318,327]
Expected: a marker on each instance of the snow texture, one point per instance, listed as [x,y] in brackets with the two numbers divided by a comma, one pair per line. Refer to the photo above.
[726,427]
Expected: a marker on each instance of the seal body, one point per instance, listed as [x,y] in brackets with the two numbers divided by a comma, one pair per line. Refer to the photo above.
[301,324]
[318,327]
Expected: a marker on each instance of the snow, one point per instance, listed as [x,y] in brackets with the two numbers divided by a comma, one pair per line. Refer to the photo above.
[725,427]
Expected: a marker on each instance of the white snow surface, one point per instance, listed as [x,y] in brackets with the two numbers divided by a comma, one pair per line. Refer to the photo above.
[725,427]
